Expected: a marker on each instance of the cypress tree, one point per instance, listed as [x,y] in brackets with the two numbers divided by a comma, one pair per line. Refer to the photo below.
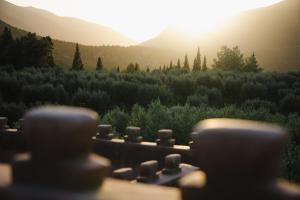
[198,57]
[137,67]
[195,65]
[197,61]
[99,64]
[77,62]
[251,64]
[204,66]
[186,65]
[178,63]
[171,64]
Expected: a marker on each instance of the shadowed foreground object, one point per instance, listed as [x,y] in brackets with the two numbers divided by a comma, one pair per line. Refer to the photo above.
[59,140]
[238,160]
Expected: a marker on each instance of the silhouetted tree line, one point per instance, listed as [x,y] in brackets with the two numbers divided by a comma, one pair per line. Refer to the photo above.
[25,51]
[227,60]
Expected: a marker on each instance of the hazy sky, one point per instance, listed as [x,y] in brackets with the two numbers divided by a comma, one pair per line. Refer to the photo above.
[143,19]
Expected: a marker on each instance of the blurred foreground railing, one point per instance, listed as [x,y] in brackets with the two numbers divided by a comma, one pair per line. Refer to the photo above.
[226,159]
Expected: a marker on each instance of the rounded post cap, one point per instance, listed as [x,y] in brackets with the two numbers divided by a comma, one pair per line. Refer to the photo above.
[133,132]
[105,129]
[148,168]
[3,122]
[165,134]
[58,132]
[232,146]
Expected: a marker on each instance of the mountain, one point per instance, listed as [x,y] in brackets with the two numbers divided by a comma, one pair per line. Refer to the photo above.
[63,28]
[112,56]
[273,33]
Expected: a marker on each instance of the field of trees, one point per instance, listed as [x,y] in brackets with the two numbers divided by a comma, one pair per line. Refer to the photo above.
[175,96]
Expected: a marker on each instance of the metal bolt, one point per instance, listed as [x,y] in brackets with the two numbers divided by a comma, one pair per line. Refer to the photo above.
[148,171]
[105,131]
[3,122]
[165,134]
[21,124]
[124,174]
[165,138]
[133,134]
[172,164]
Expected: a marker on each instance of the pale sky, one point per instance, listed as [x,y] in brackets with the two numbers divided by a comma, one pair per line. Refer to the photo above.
[143,19]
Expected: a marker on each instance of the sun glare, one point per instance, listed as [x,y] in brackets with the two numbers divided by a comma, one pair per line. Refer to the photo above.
[143,19]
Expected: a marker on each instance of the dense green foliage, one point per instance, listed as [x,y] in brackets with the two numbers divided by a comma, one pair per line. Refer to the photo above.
[28,50]
[173,98]
[280,92]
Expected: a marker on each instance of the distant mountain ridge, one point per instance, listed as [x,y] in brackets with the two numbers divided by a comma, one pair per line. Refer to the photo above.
[62,28]
[112,56]
[272,32]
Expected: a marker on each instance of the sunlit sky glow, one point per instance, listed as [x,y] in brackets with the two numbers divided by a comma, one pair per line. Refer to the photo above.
[143,19]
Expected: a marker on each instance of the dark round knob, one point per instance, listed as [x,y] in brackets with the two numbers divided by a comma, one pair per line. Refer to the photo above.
[133,132]
[3,122]
[148,171]
[172,164]
[124,174]
[104,129]
[55,133]
[172,161]
[229,148]
[165,134]
[21,124]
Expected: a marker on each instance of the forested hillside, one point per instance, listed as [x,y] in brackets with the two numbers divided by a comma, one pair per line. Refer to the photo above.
[45,23]
[112,56]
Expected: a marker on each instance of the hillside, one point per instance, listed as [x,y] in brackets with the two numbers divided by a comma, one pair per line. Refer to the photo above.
[112,56]
[62,28]
[273,33]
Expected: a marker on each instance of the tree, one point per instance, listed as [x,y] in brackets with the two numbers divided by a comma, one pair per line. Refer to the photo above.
[251,64]
[48,48]
[229,59]
[186,64]
[99,64]
[147,70]
[197,61]
[195,65]
[204,66]
[133,68]
[171,64]
[77,62]
[31,51]
[6,42]
[137,67]
[178,63]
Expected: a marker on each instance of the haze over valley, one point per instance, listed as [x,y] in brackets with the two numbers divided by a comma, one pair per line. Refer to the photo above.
[272,32]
